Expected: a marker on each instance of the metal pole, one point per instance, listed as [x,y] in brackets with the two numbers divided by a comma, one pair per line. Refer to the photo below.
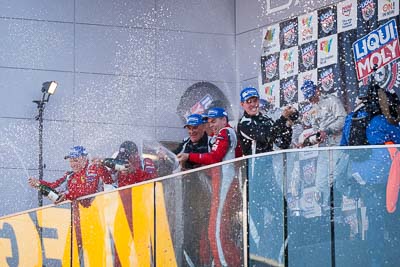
[332,205]
[285,211]
[39,117]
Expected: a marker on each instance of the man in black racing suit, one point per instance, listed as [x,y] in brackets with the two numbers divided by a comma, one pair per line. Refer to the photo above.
[258,133]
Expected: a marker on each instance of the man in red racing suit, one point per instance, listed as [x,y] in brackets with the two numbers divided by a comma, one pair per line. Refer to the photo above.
[135,172]
[224,229]
[84,179]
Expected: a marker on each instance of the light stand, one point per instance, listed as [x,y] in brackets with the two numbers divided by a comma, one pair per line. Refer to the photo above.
[48,89]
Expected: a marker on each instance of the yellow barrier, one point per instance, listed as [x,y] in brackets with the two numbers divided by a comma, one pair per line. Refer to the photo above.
[117,228]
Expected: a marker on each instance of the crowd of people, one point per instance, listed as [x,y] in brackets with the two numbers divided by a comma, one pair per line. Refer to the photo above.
[211,139]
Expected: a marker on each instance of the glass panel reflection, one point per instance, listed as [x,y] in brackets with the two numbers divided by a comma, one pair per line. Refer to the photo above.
[265,204]
[205,212]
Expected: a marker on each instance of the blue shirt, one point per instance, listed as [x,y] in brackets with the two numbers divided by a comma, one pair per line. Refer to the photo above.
[375,169]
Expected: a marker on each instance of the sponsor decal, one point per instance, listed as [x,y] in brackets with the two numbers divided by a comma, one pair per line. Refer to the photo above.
[308,55]
[270,92]
[387,9]
[308,173]
[326,79]
[379,47]
[326,46]
[271,42]
[367,9]
[288,62]
[270,97]
[202,105]
[347,15]
[308,114]
[387,77]
[308,76]
[289,90]
[271,65]
[327,20]
[288,58]
[307,29]
[289,34]
[269,89]
[327,51]
[269,35]
[346,10]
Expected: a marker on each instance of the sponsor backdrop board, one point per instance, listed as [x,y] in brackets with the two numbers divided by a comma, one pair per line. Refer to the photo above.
[336,46]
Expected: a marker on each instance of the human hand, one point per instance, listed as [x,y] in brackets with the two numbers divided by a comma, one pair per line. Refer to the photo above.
[33,182]
[291,114]
[322,136]
[287,111]
[61,199]
[162,154]
[183,157]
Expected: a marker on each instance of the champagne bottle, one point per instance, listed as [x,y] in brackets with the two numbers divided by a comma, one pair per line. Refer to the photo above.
[115,164]
[48,192]
[312,139]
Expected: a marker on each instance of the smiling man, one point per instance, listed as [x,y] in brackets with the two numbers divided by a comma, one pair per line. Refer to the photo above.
[83,179]
[256,132]
[226,201]
[196,142]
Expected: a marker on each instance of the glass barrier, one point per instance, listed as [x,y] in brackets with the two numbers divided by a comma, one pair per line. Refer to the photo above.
[265,206]
[366,230]
[337,213]
[205,214]
[332,207]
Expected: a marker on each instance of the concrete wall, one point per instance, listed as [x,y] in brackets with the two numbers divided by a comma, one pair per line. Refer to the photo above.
[122,67]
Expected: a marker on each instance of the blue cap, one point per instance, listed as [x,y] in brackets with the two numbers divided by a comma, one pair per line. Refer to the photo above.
[216,113]
[194,120]
[309,89]
[247,93]
[76,152]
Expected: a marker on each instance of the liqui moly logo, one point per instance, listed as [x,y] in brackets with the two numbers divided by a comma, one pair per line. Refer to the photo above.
[379,47]
[367,9]
[289,34]
[289,90]
[327,20]
[308,55]
[346,10]
[327,79]
[271,66]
